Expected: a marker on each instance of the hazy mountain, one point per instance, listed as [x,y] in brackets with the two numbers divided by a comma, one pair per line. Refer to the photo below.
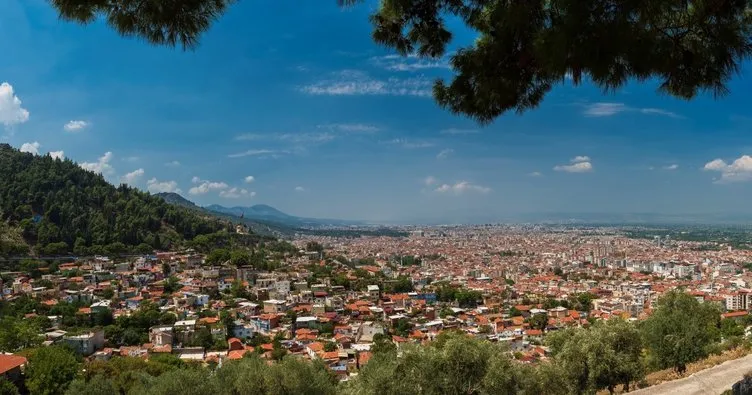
[265,212]
[176,199]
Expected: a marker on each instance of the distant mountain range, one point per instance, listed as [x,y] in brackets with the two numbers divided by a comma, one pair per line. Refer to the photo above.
[264,212]
[259,215]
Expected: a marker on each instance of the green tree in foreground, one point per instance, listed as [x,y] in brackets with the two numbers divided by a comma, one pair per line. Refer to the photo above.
[522,50]
[17,334]
[168,22]
[602,357]
[250,375]
[98,385]
[731,328]
[7,388]
[454,364]
[50,370]
[680,330]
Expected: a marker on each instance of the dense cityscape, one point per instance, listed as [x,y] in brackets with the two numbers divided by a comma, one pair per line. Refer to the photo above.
[375,197]
[338,301]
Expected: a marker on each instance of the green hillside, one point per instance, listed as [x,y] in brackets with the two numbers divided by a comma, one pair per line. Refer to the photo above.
[57,208]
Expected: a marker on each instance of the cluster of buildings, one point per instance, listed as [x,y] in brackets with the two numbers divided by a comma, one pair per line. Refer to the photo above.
[333,307]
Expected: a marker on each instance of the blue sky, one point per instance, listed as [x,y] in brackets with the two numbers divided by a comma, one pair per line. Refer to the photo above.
[329,124]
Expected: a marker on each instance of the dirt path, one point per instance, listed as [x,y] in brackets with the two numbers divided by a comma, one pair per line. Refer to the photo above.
[712,381]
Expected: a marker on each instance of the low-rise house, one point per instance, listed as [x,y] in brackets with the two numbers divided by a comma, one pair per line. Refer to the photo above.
[10,367]
[184,330]
[264,323]
[161,335]
[101,305]
[242,330]
[274,306]
[367,331]
[373,292]
[87,343]
[306,322]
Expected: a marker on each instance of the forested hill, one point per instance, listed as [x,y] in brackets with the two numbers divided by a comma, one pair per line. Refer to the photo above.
[57,207]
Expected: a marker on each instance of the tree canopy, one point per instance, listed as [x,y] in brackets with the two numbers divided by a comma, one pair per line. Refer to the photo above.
[680,330]
[50,370]
[164,22]
[604,356]
[522,50]
[525,48]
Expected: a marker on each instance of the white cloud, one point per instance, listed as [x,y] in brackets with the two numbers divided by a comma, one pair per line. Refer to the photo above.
[102,165]
[462,187]
[581,158]
[300,189]
[580,167]
[75,126]
[57,155]
[11,112]
[207,186]
[259,152]
[578,164]
[173,164]
[300,138]
[716,165]
[132,177]
[296,138]
[155,186]
[408,144]
[430,180]
[658,111]
[409,63]
[535,174]
[445,153]
[31,148]
[605,109]
[249,179]
[671,167]
[739,170]
[250,136]
[352,83]
[351,127]
[456,131]
[235,193]
[609,109]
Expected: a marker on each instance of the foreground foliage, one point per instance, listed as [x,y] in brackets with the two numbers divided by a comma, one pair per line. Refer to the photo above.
[680,331]
[608,355]
[250,375]
[523,48]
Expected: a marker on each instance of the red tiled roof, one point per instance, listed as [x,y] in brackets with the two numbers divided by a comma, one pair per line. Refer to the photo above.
[236,354]
[363,357]
[331,355]
[734,314]
[8,362]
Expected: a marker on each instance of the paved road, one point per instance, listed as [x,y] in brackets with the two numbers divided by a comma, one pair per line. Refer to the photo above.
[711,381]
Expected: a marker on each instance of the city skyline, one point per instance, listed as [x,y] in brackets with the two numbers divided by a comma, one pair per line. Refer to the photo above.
[322,124]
